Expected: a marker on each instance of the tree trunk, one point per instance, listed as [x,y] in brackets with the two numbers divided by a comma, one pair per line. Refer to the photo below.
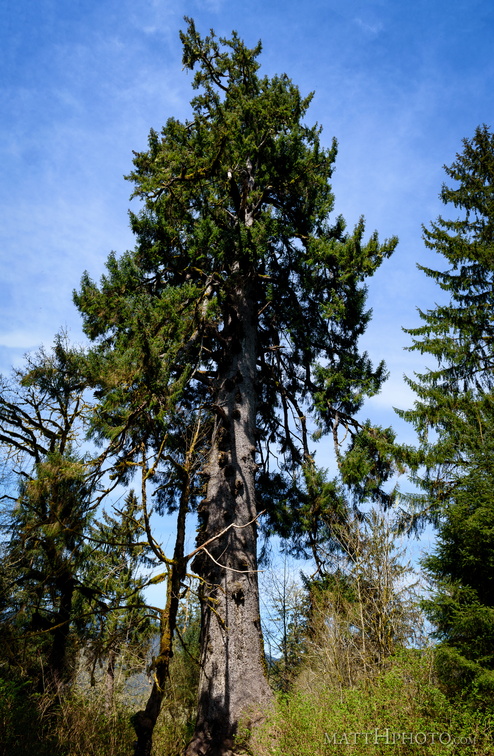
[110,681]
[233,687]
[144,721]
[59,673]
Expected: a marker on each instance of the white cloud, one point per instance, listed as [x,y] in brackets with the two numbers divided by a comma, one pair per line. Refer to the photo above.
[24,339]
[369,27]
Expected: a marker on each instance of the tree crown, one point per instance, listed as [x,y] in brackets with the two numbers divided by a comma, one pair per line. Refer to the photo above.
[236,198]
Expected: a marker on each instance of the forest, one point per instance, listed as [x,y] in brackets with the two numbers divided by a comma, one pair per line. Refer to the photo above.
[221,351]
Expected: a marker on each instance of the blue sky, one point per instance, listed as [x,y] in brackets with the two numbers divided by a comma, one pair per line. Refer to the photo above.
[399,85]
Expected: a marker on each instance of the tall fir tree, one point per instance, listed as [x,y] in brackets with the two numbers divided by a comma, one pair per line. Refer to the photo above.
[461,568]
[454,415]
[241,300]
[459,333]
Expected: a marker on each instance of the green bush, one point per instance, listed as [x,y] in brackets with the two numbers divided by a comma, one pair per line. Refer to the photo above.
[77,724]
[22,729]
[402,710]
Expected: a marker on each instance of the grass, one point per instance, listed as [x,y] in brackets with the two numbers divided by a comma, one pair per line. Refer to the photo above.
[401,711]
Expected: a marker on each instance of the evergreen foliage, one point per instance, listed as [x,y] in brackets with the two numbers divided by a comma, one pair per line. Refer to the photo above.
[62,583]
[44,526]
[454,419]
[238,193]
[453,408]
[243,300]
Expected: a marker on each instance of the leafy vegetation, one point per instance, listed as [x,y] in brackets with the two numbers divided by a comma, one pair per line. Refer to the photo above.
[223,347]
[239,311]
[402,709]
[454,420]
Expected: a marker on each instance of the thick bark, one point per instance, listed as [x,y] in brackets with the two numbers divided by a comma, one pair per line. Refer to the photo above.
[233,687]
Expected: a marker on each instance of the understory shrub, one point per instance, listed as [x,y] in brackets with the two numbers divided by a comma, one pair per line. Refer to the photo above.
[401,710]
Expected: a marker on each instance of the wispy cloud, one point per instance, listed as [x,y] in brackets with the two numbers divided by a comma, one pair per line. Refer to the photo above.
[372,28]
[24,339]
[398,87]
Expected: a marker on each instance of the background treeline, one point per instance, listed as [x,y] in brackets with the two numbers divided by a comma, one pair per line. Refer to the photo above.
[86,665]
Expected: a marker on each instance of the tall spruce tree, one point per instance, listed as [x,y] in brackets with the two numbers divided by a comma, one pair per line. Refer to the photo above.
[461,568]
[243,301]
[459,333]
[454,410]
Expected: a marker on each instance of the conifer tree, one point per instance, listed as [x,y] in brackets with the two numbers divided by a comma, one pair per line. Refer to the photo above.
[41,418]
[47,513]
[453,414]
[449,413]
[241,300]
[461,568]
